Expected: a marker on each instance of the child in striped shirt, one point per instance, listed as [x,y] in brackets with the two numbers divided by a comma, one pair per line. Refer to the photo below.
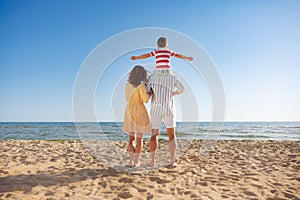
[162,55]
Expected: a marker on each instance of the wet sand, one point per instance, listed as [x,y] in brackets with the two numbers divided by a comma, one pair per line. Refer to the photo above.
[97,170]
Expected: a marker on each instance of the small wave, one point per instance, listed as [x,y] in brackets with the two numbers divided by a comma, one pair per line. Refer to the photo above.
[184,133]
[245,136]
[68,126]
[288,126]
[216,129]
[4,127]
[102,132]
[82,126]
[24,126]
[273,131]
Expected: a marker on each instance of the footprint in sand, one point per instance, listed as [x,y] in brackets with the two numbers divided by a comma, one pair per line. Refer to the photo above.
[158,180]
[125,180]
[248,193]
[150,196]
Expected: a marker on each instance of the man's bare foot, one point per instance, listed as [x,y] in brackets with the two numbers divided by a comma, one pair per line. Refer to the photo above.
[131,164]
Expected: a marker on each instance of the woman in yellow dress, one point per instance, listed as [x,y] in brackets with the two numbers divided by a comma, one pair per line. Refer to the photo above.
[136,119]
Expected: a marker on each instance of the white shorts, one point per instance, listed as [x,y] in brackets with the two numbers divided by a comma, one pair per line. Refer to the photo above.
[156,121]
[162,72]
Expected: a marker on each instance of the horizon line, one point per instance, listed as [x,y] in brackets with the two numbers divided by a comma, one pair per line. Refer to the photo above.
[122,121]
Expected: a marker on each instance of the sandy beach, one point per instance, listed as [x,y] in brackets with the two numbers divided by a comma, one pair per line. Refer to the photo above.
[36,169]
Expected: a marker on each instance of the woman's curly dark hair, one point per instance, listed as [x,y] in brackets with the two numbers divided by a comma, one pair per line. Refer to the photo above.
[138,75]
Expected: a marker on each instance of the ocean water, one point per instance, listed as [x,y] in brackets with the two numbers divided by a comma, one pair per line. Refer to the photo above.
[184,130]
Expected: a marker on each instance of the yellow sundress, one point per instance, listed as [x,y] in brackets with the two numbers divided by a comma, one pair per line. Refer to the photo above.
[136,118]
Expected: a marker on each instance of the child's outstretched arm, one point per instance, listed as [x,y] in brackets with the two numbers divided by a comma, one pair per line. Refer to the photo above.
[140,57]
[183,57]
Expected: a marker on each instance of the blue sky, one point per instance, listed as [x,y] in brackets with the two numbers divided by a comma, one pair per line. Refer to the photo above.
[254,44]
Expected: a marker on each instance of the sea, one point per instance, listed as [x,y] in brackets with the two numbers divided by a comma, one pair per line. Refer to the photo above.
[184,130]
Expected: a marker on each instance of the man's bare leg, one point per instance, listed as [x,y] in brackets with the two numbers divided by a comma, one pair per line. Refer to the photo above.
[153,146]
[172,145]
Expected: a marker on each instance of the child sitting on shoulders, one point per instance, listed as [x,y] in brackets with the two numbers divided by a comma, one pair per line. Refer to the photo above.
[162,55]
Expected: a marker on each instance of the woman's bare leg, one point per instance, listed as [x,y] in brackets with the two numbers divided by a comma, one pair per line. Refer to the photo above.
[138,148]
[131,149]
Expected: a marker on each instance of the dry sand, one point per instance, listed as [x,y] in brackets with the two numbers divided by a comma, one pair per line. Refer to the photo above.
[96,170]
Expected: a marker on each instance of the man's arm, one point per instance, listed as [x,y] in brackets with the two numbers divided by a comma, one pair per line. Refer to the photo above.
[140,57]
[177,55]
[179,87]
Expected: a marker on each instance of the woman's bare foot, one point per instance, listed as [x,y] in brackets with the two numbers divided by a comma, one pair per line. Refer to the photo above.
[151,164]
[137,164]
[172,165]
[131,164]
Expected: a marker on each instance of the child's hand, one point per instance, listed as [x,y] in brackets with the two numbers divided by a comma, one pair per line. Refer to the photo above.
[133,58]
[190,58]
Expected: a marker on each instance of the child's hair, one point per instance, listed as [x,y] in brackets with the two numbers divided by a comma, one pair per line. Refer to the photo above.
[162,42]
[137,76]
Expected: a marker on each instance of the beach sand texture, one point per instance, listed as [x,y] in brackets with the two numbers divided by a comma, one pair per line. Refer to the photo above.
[96,170]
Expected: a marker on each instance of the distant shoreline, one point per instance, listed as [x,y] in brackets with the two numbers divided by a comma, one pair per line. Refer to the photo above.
[184,130]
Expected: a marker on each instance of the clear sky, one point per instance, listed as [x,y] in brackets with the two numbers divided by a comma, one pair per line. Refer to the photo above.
[255,45]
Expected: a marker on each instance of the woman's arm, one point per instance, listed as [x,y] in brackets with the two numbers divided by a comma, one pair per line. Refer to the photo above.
[143,94]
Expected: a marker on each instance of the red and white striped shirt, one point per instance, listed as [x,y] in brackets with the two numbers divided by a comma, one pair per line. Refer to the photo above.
[162,56]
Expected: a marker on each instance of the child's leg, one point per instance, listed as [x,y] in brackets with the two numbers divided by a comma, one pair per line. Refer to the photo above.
[131,148]
[138,148]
